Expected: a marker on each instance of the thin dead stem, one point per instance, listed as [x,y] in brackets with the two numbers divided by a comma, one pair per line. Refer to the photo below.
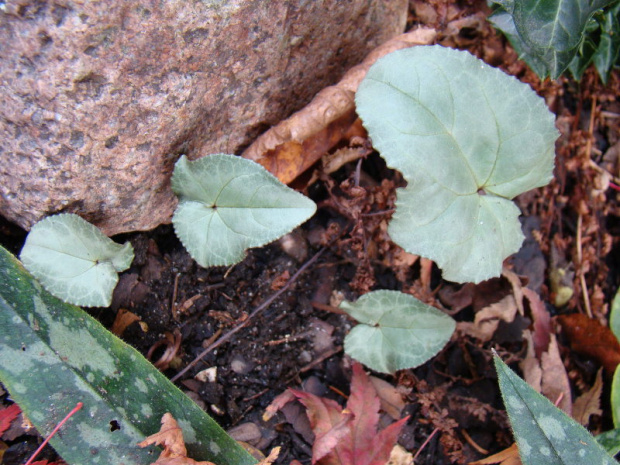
[254,313]
[582,277]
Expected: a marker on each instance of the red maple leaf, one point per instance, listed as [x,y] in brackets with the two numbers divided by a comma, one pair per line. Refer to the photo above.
[7,416]
[349,436]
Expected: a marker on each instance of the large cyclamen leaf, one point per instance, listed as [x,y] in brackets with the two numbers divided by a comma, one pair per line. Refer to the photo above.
[546,34]
[54,355]
[545,434]
[396,331]
[467,138]
[229,204]
[74,260]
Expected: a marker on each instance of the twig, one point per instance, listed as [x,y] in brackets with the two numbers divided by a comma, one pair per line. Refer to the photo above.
[255,312]
[173,302]
[582,278]
[473,443]
[322,357]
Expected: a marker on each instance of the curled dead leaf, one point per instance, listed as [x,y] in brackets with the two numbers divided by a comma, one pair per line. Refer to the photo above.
[590,338]
[295,144]
[170,436]
[123,319]
[487,320]
[589,403]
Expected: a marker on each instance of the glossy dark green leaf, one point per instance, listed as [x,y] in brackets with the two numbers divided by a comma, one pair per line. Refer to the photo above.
[546,33]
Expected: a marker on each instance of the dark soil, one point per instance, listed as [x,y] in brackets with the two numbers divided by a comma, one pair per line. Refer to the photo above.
[297,342]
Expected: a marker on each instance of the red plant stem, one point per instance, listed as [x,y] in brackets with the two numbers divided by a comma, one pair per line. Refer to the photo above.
[77,407]
[428,439]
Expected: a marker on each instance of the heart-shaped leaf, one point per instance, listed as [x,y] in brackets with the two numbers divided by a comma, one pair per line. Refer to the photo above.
[75,261]
[544,433]
[467,138]
[228,204]
[396,331]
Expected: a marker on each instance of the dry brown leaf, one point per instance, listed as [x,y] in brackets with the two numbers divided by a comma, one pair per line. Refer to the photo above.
[400,456]
[590,338]
[123,319]
[487,319]
[391,398]
[273,455]
[508,456]
[531,364]
[517,288]
[547,374]
[555,381]
[589,403]
[541,333]
[170,436]
[295,144]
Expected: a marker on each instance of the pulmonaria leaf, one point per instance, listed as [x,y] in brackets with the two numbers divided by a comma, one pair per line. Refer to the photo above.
[228,204]
[545,434]
[396,331]
[467,138]
[75,261]
[54,354]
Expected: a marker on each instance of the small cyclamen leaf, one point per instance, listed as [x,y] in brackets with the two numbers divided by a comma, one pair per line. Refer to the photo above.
[468,138]
[396,331]
[545,434]
[228,204]
[75,261]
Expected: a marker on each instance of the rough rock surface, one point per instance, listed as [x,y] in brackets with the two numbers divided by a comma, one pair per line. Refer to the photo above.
[99,99]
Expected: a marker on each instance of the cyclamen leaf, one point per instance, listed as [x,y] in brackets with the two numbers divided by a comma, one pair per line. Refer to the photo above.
[545,434]
[467,138]
[396,331]
[228,204]
[75,261]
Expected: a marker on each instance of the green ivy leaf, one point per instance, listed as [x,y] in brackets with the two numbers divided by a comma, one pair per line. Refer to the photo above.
[546,34]
[55,355]
[607,53]
[396,331]
[228,204]
[545,434]
[467,138]
[75,261]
